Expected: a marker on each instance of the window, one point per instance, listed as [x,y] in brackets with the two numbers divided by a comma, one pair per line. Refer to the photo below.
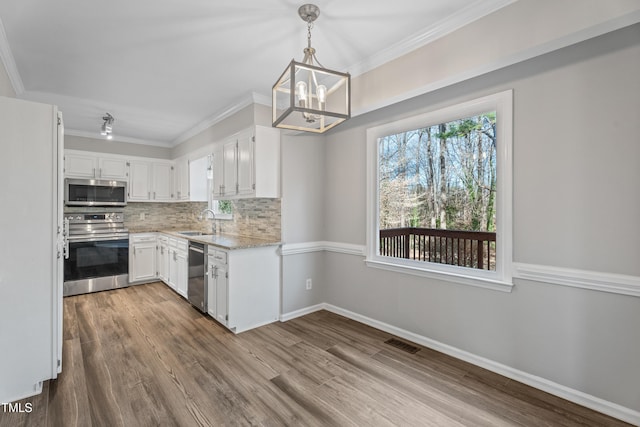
[223,209]
[439,193]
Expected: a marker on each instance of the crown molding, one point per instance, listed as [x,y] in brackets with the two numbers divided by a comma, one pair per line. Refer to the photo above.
[463,17]
[9,62]
[94,135]
[252,98]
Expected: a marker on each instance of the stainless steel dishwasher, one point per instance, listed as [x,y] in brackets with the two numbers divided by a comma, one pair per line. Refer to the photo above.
[197,288]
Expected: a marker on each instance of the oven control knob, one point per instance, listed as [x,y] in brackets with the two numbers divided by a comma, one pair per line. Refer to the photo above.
[78,217]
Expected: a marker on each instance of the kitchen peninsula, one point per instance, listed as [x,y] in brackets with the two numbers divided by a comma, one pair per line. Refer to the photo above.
[242,273]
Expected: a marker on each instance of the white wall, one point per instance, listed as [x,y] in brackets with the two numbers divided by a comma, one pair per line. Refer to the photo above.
[576,205]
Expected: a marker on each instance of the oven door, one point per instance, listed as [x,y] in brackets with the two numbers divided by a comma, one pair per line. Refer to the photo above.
[95,257]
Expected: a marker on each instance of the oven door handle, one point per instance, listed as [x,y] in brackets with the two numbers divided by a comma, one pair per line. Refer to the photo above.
[84,239]
[65,238]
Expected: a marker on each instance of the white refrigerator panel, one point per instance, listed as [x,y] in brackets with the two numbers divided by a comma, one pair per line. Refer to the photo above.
[30,287]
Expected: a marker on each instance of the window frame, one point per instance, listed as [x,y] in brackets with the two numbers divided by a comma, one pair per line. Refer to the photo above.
[499,279]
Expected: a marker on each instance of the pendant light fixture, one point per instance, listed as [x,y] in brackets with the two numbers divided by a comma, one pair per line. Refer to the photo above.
[307,96]
[107,126]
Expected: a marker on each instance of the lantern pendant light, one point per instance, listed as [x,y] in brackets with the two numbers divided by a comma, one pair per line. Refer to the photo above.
[307,96]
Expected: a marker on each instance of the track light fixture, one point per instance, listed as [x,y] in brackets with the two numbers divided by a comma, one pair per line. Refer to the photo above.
[106,129]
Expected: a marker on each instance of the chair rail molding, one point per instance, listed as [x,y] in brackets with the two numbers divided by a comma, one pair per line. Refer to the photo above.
[585,279]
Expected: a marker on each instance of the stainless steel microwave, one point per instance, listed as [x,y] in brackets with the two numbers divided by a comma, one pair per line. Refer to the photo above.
[94,192]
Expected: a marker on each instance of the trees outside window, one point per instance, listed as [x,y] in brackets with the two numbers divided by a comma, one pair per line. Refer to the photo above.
[439,191]
[441,177]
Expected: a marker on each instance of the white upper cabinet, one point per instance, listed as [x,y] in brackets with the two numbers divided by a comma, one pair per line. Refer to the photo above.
[90,165]
[250,165]
[139,181]
[217,162]
[150,181]
[230,168]
[112,168]
[245,152]
[162,182]
[181,179]
[80,165]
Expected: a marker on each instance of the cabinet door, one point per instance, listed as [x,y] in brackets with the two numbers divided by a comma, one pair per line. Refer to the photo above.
[181,179]
[222,293]
[245,164]
[112,168]
[161,182]
[211,288]
[230,150]
[173,268]
[163,261]
[79,166]
[217,161]
[139,181]
[182,274]
[144,262]
[266,162]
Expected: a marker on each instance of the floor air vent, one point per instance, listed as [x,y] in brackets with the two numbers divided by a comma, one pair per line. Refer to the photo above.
[402,345]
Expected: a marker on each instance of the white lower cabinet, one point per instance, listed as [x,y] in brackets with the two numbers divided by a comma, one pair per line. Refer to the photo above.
[142,257]
[178,265]
[243,286]
[217,285]
[162,257]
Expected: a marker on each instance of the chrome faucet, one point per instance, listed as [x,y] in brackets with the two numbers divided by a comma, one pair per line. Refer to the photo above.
[213,218]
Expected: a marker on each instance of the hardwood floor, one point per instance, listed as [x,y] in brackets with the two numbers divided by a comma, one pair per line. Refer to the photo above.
[142,356]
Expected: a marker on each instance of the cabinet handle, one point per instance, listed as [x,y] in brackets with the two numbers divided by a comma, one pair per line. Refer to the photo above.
[100,172]
[149,195]
[94,172]
[154,195]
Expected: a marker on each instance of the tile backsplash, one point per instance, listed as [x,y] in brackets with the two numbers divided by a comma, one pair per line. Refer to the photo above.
[251,217]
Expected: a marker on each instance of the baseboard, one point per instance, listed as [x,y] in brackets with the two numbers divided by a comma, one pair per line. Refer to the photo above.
[302,312]
[575,396]
[319,246]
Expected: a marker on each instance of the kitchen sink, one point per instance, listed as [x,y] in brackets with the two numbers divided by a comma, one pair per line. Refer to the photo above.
[191,233]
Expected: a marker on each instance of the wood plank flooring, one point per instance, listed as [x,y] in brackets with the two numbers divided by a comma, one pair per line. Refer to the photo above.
[142,356]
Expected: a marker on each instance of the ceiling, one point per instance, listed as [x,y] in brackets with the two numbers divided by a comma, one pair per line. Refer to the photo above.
[166,69]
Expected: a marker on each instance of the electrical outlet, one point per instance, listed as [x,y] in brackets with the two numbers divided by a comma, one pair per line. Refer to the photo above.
[309,284]
[142,216]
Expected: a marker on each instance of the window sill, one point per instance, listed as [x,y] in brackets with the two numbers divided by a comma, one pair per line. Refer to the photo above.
[463,279]
[226,217]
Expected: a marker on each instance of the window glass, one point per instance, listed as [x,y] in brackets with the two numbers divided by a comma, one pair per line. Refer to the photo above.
[437,193]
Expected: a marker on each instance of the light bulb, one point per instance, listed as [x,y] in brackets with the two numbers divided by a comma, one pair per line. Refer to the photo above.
[301,89]
[321,93]
[109,136]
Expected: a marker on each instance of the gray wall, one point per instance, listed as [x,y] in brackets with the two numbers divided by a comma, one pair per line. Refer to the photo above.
[576,205]
[220,130]
[303,172]
[6,89]
[114,147]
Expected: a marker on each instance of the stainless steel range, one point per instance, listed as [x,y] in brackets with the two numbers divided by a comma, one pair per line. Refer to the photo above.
[97,257]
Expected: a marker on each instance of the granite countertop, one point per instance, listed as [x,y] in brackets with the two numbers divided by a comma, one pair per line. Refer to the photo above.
[221,240]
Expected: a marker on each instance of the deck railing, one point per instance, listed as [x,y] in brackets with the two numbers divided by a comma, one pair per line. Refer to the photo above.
[474,249]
